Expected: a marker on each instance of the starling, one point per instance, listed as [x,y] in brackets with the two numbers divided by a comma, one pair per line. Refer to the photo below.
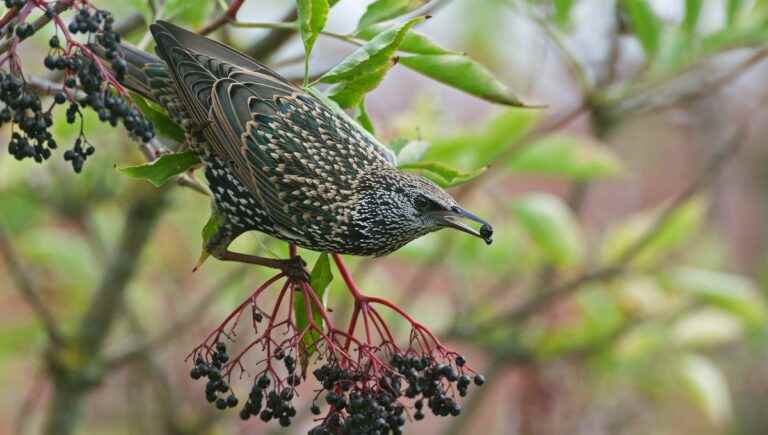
[279,161]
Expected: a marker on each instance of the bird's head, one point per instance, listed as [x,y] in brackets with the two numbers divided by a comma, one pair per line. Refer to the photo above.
[396,207]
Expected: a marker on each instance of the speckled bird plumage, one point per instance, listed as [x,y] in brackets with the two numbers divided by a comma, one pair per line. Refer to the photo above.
[279,161]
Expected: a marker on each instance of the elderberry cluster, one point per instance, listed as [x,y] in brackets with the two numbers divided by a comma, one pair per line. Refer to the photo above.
[24,109]
[217,387]
[100,23]
[360,405]
[14,3]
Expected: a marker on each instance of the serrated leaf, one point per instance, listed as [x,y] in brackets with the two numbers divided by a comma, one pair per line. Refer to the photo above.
[163,168]
[364,119]
[462,73]
[163,124]
[733,293]
[568,157]
[442,175]
[363,70]
[312,14]
[414,42]
[707,387]
[684,223]
[382,10]
[645,25]
[319,279]
[552,227]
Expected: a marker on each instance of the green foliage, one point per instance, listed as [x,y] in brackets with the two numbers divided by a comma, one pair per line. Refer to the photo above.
[563,11]
[462,73]
[706,385]
[441,174]
[164,126]
[681,225]
[553,228]
[732,293]
[645,24]
[159,171]
[383,10]
[413,42]
[478,147]
[319,279]
[313,15]
[365,68]
[568,157]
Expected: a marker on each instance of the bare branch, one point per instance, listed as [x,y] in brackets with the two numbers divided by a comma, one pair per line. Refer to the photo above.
[24,283]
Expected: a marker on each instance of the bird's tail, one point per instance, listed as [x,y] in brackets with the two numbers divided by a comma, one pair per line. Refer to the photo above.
[142,72]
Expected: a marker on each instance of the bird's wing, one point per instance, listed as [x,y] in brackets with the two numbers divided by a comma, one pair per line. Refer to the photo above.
[296,155]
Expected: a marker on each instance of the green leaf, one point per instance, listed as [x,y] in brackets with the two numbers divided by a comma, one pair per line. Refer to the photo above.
[163,124]
[192,12]
[313,15]
[163,168]
[442,175]
[464,74]
[319,279]
[567,156]
[372,56]
[414,42]
[563,11]
[732,8]
[707,387]
[691,18]
[363,70]
[364,119]
[707,327]
[681,226]
[645,25]
[412,152]
[382,10]
[483,145]
[733,293]
[552,227]
[142,7]
[209,230]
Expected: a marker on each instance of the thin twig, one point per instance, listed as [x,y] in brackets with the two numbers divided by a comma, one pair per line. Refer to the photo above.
[40,22]
[24,283]
[276,38]
[229,15]
[706,176]
[188,319]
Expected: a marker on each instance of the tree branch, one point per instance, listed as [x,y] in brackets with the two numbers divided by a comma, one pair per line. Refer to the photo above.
[275,39]
[24,284]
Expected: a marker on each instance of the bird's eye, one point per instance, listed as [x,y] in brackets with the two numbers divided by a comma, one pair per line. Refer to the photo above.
[423,203]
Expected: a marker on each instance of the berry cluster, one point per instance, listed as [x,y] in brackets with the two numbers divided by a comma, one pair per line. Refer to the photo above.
[277,405]
[364,405]
[100,23]
[87,83]
[14,3]
[24,109]
[217,387]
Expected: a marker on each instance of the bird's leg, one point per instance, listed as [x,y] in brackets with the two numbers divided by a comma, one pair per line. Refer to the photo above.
[293,268]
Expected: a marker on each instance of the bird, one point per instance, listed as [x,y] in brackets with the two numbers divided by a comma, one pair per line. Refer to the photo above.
[279,161]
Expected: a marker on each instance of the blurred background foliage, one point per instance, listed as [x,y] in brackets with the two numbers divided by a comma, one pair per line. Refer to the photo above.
[625,292]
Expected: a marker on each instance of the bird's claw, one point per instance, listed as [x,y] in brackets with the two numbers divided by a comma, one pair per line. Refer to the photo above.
[295,269]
